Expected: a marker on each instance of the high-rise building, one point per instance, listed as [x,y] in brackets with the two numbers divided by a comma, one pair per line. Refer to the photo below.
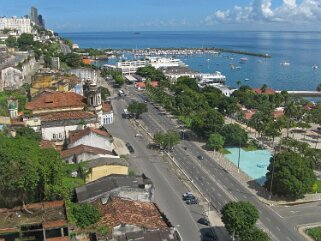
[34,15]
[22,25]
[41,21]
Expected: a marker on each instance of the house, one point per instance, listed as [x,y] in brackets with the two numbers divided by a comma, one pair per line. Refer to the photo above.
[140,85]
[130,187]
[134,233]
[91,137]
[108,113]
[46,221]
[120,211]
[104,166]
[82,153]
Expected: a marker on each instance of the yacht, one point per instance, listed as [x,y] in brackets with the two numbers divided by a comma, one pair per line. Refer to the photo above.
[285,63]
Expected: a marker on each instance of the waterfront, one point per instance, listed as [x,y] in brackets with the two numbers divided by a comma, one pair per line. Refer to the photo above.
[301,49]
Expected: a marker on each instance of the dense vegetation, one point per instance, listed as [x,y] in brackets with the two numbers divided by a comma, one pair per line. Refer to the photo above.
[137,108]
[151,73]
[85,215]
[20,95]
[166,140]
[115,75]
[239,219]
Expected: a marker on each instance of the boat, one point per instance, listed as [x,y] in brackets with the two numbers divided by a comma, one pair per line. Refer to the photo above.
[314,66]
[285,63]
[246,79]
[235,67]
[243,60]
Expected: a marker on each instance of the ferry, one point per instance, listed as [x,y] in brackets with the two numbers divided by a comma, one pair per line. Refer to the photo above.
[285,63]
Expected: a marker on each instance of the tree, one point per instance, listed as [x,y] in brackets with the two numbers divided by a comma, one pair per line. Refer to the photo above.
[167,140]
[293,175]
[72,60]
[85,215]
[28,133]
[263,88]
[318,87]
[11,42]
[254,234]
[28,173]
[25,41]
[151,73]
[137,108]
[239,217]
[234,135]
[215,141]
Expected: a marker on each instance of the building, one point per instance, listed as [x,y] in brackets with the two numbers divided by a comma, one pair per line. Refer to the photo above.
[11,79]
[120,211]
[55,62]
[108,113]
[173,73]
[34,15]
[105,166]
[131,187]
[93,96]
[46,221]
[22,25]
[83,153]
[91,137]
[13,108]
[85,74]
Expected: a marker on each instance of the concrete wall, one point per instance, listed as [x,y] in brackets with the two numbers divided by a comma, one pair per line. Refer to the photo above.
[105,170]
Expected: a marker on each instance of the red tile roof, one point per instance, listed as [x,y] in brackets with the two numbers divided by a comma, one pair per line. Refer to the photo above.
[83,148]
[107,107]
[268,91]
[73,115]
[123,211]
[56,100]
[140,85]
[78,134]
[248,114]
[47,144]
[154,83]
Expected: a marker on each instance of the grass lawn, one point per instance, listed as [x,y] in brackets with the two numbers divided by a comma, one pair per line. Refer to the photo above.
[314,233]
[224,151]
[186,120]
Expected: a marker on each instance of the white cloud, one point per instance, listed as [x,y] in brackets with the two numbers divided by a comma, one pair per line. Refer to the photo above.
[289,11]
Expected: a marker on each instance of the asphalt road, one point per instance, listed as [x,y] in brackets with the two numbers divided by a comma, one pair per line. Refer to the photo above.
[168,188]
[217,184]
[64,48]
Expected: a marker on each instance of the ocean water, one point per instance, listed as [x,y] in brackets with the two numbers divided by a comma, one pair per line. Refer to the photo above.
[301,49]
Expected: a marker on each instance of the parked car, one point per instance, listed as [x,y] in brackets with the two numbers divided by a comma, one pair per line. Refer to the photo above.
[200,157]
[204,221]
[138,135]
[192,200]
[210,236]
[130,148]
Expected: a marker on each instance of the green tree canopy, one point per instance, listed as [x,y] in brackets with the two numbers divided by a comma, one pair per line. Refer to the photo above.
[85,215]
[234,135]
[239,217]
[167,140]
[293,175]
[215,141]
[27,172]
[151,73]
[254,234]
[11,42]
[71,59]
[25,41]
[137,108]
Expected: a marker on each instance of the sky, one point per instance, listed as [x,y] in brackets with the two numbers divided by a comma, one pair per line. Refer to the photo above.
[171,15]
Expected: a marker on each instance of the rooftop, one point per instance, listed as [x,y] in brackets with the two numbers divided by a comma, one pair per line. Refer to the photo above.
[73,115]
[83,149]
[101,186]
[78,134]
[123,211]
[107,107]
[49,214]
[106,161]
[56,100]
[268,91]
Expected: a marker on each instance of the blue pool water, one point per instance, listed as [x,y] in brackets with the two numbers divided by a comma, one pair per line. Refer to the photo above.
[253,163]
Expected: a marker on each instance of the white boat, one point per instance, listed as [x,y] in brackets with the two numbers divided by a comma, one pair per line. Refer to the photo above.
[208,79]
[285,63]
[242,60]
[314,66]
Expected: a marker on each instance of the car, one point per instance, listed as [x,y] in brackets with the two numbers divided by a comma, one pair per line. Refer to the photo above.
[200,157]
[130,148]
[193,200]
[204,221]
[138,135]
[210,236]
[187,195]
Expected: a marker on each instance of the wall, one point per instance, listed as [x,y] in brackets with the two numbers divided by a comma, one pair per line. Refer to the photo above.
[95,140]
[107,118]
[105,170]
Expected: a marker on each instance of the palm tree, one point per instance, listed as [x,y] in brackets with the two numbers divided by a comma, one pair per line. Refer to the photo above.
[264,88]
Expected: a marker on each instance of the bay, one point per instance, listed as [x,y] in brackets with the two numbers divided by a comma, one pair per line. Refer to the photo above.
[301,49]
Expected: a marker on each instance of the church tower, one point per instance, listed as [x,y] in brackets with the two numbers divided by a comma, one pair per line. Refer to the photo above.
[93,95]
[13,108]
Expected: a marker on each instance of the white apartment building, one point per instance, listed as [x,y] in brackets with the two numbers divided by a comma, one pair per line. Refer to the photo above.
[22,25]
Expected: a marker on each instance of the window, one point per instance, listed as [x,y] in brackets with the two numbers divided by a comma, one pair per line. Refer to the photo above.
[54,136]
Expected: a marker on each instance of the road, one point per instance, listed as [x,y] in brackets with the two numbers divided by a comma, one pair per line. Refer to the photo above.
[217,184]
[168,188]
[64,48]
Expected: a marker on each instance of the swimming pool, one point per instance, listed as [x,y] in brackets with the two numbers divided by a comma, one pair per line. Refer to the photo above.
[253,163]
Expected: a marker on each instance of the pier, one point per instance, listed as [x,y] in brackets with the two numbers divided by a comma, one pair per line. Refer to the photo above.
[303,93]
